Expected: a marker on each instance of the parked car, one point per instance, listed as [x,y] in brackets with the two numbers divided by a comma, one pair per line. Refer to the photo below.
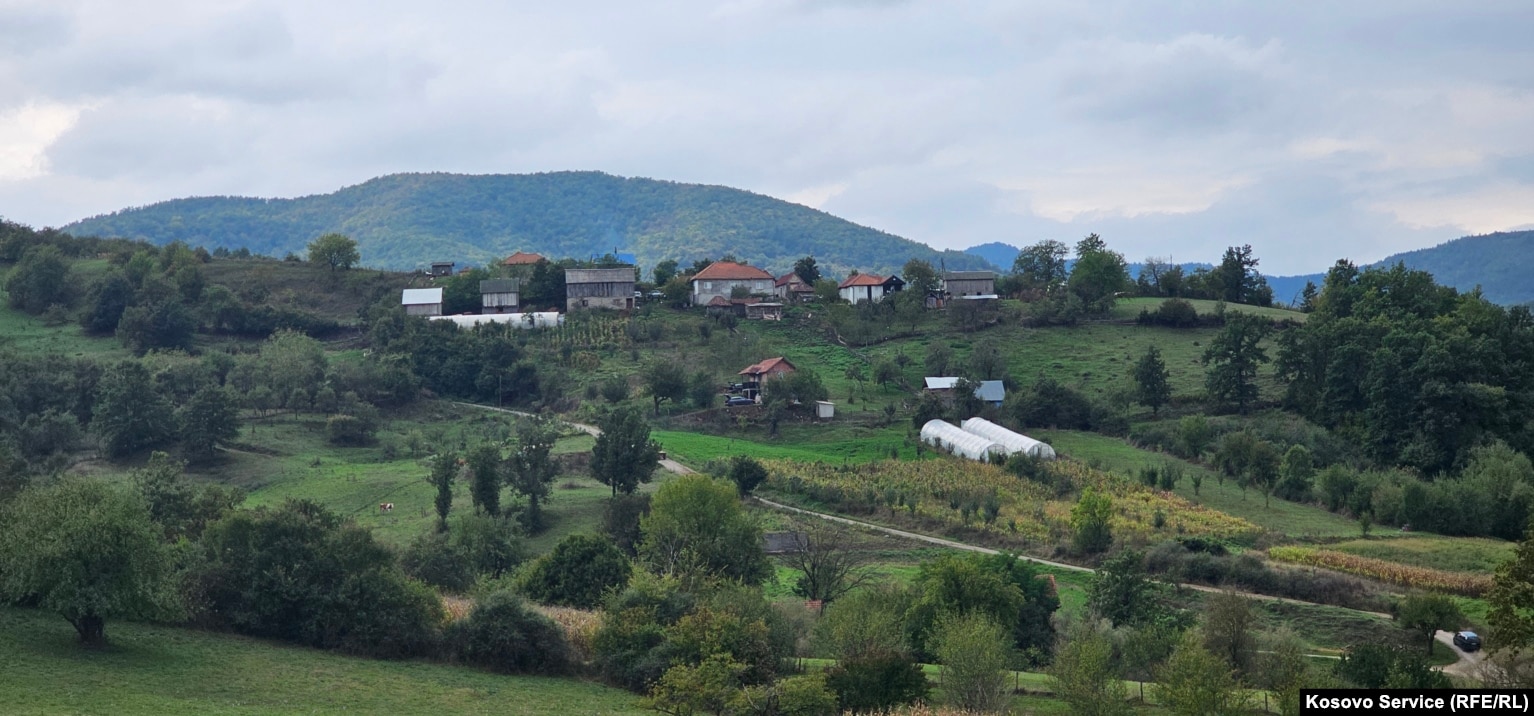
[735,400]
[1467,640]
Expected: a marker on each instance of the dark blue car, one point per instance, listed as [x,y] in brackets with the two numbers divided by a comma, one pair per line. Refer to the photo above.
[1467,640]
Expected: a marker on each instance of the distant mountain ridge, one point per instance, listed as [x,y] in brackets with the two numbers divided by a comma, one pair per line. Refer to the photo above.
[404,220]
[1501,263]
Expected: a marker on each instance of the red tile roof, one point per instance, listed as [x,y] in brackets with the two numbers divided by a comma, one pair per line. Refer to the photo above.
[718,301]
[521,259]
[727,271]
[787,278]
[863,279]
[767,366]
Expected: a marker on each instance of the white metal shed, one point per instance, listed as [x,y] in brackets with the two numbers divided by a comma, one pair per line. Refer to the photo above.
[947,436]
[1011,441]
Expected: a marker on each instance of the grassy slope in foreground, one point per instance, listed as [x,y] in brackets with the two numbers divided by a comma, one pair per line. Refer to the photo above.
[168,671]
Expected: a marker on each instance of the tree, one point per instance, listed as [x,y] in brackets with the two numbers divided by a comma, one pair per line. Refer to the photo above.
[806,270]
[1152,380]
[1120,591]
[1428,613]
[1041,267]
[986,361]
[105,302]
[827,565]
[827,292]
[1228,622]
[886,372]
[505,636]
[579,571]
[920,278]
[1233,357]
[856,374]
[87,550]
[972,650]
[1236,278]
[444,467]
[746,473]
[624,456]
[1511,616]
[530,471]
[1091,520]
[1284,670]
[697,529]
[1263,469]
[130,414]
[1295,473]
[208,419]
[1195,682]
[157,319]
[1097,275]
[335,251]
[39,280]
[939,360]
[664,272]
[1084,677]
[485,479]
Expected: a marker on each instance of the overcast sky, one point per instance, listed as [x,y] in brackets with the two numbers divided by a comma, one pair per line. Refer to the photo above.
[1311,130]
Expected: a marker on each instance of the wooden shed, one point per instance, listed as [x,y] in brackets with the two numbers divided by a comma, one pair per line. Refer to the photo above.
[422,301]
[499,295]
[600,288]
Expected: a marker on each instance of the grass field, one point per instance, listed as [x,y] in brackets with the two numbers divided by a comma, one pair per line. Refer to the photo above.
[1280,516]
[166,671]
[1454,554]
[1129,308]
[28,334]
[830,444]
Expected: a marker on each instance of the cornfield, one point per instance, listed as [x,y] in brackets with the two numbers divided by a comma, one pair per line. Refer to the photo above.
[1472,585]
[960,492]
[579,626]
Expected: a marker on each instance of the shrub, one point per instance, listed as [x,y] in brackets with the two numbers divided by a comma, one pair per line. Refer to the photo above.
[620,521]
[433,559]
[347,430]
[502,634]
[577,573]
[877,683]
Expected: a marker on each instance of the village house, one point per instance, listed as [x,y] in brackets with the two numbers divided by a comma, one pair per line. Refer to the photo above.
[722,278]
[522,258]
[961,284]
[600,288]
[441,268]
[860,287]
[499,295]
[991,392]
[756,373]
[422,301]
[792,289]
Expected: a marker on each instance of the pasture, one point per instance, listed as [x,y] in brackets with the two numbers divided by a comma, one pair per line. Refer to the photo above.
[168,671]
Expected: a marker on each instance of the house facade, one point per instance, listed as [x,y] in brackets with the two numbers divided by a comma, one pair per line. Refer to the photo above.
[499,295]
[721,278]
[422,301]
[600,288]
[792,289]
[757,373]
[869,287]
[959,284]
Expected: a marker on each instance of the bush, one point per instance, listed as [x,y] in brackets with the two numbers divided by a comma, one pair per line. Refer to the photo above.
[577,573]
[433,559]
[503,635]
[877,683]
[347,430]
[620,521]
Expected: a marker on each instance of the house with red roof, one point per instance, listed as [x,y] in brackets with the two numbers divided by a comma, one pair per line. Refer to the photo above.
[522,258]
[757,373]
[860,287]
[722,278]
[792,289]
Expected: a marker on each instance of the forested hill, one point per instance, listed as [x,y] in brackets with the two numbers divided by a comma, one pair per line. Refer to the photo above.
[403,220]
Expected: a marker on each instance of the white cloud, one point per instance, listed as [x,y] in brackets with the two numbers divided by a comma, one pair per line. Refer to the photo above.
[26,133]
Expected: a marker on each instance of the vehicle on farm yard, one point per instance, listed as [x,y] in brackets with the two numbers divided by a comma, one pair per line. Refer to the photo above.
[736,400]
[1467,640]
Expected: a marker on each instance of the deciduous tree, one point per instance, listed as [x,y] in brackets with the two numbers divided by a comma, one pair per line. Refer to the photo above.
[624,456]
[1233,357]
[698,530]
[334,251]
[1152,380]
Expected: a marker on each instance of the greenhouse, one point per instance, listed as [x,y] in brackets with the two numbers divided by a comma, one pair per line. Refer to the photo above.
[549,319]
[949,437]
[1010,441]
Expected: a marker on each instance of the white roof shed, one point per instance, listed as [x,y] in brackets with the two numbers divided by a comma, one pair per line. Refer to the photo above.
[947,436]
[1012,442]
[421,296]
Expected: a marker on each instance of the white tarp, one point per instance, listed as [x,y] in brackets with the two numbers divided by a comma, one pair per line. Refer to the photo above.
[1011,441]
[545,319]
[947,436]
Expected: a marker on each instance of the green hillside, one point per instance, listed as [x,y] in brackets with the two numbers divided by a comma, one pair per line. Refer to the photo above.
[1500,263]
[404,220]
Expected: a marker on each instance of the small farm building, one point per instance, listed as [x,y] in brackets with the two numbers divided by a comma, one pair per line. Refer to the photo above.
[969,283]
[600,288]
[947,436]
[992,392]
[499,295]
[1014,442]
[422,301]
[442,268]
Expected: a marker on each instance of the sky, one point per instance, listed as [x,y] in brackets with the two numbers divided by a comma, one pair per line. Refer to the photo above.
[1310,130]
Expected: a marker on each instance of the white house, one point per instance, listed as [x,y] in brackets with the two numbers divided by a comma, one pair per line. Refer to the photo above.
[721,278]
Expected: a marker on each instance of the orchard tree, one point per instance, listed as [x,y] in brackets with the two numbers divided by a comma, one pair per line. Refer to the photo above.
[87,550]
[1152,380]
[624,456]
[1427,613]
[335,251]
